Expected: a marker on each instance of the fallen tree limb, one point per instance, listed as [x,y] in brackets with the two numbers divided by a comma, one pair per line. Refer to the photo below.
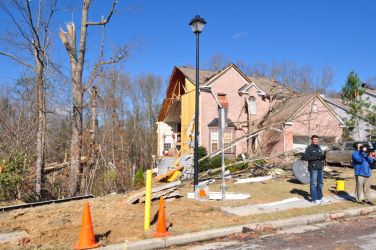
[241,139]
[249,160]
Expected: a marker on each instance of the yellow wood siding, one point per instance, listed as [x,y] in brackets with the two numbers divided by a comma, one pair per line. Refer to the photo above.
[187,115]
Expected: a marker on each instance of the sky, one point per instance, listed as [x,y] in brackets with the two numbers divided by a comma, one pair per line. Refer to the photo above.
[337,33]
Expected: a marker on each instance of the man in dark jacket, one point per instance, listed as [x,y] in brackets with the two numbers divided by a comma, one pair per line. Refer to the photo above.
[315,158]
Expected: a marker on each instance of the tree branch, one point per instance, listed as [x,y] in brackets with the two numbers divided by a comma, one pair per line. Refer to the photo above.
[104,21]
[94,73]
[16,59]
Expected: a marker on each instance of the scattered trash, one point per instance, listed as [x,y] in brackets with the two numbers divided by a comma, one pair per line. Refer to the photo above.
[207,182]
[276,171]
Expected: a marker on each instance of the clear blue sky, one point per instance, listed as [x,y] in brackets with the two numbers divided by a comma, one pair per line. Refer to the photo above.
[338,33]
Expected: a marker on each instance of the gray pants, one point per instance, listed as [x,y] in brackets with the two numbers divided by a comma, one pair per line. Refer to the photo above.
[363,184]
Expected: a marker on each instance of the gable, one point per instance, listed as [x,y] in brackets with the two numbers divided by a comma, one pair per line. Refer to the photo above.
[246,88]
[230,68]
[317,107]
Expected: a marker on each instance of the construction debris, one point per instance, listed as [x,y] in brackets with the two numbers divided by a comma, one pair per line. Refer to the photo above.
[167,191]
[170,174]
[276,171]
[254,179]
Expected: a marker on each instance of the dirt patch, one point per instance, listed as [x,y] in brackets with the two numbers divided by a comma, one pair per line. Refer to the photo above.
[114,221]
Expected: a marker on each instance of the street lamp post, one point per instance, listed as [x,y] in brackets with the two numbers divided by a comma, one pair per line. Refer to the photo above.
[197,24]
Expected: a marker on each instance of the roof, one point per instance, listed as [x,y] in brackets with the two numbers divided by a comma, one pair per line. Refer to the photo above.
[339,103]
[268,86]
[190,73]
[287,109]
[371,91]
[215,123]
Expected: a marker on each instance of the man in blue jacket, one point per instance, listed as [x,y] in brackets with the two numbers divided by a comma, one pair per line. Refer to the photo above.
[361,162]
[315,157]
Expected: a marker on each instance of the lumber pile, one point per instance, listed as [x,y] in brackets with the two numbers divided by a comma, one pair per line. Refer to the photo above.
[168,192]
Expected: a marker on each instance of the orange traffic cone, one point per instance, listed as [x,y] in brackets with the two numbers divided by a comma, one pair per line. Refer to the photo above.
[87,239]
[161,224]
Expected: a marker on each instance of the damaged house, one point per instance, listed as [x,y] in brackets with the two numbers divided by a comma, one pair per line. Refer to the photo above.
[251,104]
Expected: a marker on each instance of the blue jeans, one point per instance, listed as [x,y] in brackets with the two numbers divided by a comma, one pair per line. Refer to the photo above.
[316,184]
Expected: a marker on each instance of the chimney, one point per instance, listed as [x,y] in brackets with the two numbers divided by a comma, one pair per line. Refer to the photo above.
[223,100]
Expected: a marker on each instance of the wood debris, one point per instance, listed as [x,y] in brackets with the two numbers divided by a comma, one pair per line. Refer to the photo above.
[169,173]
[166,191]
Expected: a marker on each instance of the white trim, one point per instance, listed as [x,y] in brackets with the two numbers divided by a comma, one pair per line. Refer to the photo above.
[246,90]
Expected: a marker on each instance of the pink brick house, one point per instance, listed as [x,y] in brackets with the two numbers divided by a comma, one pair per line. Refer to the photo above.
[252,103]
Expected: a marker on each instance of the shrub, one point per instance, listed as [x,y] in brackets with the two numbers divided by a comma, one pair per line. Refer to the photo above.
[11,178]
[139,177]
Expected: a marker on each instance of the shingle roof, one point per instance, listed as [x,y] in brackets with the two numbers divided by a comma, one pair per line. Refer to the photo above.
[267,85]
[286,109]
[190,73]
[339,102]
[372,91]
[336,101]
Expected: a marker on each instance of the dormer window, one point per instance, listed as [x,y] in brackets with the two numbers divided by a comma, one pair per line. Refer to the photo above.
[252,105]
[314,107]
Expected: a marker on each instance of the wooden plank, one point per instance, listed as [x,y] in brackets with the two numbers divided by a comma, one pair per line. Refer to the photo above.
[155,196]
[168,174]
[135,196]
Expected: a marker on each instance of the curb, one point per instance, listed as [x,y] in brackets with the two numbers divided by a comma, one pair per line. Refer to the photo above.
[159,243]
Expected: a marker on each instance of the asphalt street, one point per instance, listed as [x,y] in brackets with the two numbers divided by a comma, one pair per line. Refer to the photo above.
[354,233]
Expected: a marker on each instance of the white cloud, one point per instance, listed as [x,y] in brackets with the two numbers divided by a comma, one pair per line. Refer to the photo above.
[239,35]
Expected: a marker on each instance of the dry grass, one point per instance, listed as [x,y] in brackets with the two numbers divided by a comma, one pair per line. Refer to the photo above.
[58,224]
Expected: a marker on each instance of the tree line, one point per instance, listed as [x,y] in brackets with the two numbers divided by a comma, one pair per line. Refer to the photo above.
[66,131]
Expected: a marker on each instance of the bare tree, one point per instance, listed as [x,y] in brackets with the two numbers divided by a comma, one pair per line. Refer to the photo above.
[32,24]
[217,62]
[77,62]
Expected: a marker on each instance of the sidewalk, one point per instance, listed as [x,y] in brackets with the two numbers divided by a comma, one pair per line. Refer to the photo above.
[291,203]
[287,204]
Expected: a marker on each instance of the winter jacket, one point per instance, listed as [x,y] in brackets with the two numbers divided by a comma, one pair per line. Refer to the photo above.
[361,162]
[315,157]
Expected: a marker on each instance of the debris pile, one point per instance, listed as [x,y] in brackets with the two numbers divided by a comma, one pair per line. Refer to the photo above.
[168,192]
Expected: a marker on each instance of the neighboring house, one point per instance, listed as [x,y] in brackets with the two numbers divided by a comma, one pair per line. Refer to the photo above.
[296,119]
[370,95]
[361,132]
[251,103]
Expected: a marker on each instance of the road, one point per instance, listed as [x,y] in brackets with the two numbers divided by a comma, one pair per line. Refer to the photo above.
[354,233]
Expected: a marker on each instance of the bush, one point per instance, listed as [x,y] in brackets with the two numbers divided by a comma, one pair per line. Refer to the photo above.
[11,178]
[139,177]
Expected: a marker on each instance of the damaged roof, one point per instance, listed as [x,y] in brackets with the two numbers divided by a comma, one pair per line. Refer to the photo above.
[287,109]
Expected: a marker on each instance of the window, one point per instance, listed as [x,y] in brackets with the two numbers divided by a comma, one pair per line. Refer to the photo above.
[214,136]
[314,107]
[228,140]
[167,146]
[252,105]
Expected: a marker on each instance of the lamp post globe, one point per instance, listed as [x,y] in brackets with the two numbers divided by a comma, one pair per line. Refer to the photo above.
[197,24]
